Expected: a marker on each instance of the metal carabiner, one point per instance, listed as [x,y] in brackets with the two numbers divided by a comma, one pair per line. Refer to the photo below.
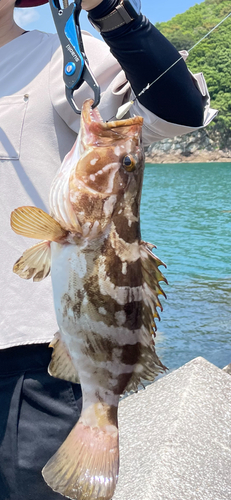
[76,68]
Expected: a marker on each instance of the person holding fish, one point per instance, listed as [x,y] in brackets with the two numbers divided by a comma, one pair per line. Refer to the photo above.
[105,279]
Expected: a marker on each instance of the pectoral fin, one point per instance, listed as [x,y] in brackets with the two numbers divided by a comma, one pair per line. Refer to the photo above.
[35,223]
[61,365]
[35,262]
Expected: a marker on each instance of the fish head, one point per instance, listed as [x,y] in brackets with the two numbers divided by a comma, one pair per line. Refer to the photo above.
[109,170]
[102,172]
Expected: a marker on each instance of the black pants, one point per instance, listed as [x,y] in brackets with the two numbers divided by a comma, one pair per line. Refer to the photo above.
[37,412]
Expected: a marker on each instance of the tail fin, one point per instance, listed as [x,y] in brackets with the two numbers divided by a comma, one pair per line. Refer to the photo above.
[86,466]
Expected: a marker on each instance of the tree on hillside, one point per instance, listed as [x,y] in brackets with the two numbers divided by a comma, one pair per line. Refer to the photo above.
[212,56]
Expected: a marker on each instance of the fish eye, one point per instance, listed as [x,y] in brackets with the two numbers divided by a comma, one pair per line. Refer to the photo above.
[129,163]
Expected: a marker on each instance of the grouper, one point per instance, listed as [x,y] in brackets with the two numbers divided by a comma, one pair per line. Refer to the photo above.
[105,282]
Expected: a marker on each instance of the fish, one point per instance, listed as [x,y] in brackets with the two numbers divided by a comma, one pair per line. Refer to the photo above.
[106,287]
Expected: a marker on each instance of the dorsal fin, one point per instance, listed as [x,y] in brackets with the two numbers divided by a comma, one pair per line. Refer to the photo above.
[151,277]
[150,265]
[149,365]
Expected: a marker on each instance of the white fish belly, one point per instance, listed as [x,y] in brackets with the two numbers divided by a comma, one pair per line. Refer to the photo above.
[68,270]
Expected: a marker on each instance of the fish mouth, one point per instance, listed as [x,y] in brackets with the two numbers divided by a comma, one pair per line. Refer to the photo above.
[93,128]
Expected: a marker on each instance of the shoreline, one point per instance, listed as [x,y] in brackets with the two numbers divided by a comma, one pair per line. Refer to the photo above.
[202,156]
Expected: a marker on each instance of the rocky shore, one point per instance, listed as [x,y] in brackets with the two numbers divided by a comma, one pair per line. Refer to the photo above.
[198,147]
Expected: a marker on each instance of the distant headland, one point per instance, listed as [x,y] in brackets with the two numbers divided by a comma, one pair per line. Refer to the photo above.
[198,147]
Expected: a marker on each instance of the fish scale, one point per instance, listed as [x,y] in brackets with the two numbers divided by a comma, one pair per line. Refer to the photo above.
[105,282]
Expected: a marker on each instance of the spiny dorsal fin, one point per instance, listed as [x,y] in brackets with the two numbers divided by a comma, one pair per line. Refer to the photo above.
[61,365]
[149,365]
[35,223]
[35,262]
[151,287]
[150,263]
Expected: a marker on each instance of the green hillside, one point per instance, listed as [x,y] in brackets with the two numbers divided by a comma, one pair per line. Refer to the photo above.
[212,56]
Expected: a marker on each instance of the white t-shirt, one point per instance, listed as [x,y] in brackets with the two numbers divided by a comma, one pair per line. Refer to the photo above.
[37,128]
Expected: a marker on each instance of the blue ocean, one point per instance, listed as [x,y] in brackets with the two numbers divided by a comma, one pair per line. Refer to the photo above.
[186,213]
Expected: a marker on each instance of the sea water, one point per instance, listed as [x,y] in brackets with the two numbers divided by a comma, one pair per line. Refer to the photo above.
[186,212]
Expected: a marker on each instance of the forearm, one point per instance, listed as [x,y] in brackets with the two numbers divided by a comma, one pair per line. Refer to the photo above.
[144,54]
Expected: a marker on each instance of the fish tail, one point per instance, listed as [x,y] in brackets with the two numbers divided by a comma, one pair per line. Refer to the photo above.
[86,466]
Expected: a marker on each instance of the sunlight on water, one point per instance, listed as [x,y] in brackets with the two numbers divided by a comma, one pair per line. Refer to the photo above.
[184,211]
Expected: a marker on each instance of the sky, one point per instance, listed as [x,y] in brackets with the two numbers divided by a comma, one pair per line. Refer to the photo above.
[41,18]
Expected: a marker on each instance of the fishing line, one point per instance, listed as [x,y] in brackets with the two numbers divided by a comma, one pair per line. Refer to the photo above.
[122,110]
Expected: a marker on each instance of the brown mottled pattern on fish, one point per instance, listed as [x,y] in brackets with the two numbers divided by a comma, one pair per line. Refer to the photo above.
[105,285]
